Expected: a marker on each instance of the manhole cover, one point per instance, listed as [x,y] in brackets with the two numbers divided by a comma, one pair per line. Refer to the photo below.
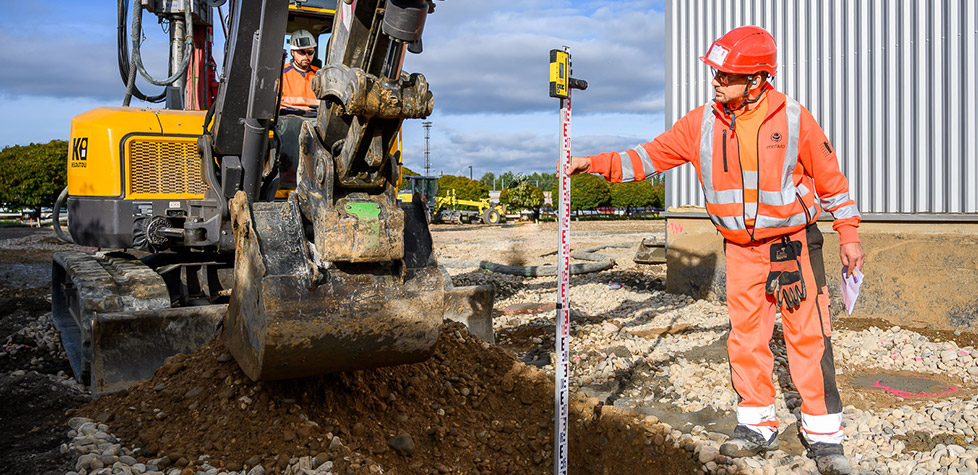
[904,386]
[529,308]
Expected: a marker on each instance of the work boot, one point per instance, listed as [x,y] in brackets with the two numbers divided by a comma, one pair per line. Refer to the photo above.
[829,458]
[746,443]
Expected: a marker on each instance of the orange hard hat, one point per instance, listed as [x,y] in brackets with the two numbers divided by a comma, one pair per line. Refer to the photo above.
[744,50]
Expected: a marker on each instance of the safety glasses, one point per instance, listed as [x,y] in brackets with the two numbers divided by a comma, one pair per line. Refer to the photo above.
[305,52]
[725,78]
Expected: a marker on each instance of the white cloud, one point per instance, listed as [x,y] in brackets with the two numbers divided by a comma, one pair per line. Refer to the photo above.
[487,63]
[480,58]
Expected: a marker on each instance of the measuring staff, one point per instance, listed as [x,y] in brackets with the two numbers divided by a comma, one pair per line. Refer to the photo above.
[560,86]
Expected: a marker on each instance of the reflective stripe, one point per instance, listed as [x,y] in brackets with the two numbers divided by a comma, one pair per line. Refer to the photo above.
[799,219]
[750,209]
[756,415]
[849,211]
[793,112]
[827,428]
[646,161]
[727,197]
[830,202]
[706,155]
[802,189]
[732,222]
[750,179]
[627,173]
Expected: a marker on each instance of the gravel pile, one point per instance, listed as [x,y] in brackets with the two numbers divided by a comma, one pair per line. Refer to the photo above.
[899,348]
[637,347]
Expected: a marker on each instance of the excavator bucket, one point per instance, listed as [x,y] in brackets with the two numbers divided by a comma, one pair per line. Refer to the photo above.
[289,318]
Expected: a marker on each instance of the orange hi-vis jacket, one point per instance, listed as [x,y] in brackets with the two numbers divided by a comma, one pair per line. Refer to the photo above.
[297,88]
[795,161]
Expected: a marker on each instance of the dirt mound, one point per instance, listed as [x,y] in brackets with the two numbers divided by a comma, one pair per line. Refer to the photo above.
[471,408]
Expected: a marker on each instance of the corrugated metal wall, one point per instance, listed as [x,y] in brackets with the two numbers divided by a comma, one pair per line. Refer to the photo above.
[892,82]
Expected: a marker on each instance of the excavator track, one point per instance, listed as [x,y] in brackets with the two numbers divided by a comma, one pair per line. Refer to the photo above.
[116,321]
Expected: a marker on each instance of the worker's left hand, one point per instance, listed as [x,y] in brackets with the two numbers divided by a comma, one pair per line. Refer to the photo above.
[577,165]
[852,256]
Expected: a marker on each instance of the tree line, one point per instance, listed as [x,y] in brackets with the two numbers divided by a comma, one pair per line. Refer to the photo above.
[32,176]
[525,192]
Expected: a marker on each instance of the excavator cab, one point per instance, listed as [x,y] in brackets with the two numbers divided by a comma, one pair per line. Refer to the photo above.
[335,275]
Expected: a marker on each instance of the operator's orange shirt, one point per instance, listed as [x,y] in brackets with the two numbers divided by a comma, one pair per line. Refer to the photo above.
[745,129]
[297,88]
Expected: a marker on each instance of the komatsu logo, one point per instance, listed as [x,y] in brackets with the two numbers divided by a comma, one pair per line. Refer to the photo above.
[79,152]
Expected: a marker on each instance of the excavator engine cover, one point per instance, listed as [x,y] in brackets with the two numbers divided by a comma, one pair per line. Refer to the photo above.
[290,317]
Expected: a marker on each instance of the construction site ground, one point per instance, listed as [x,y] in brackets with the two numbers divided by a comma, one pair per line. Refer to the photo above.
[650,382]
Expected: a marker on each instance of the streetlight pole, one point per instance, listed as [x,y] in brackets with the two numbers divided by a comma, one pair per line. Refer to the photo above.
[470,172]
[427,150]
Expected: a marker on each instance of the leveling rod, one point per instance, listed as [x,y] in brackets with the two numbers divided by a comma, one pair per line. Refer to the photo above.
[560,87]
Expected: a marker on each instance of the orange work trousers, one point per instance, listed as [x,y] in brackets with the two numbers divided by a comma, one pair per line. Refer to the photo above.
[807,332]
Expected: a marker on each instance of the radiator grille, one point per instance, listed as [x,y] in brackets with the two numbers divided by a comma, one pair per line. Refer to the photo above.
[164,166]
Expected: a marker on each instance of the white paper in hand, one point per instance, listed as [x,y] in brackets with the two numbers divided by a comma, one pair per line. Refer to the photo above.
[850,287]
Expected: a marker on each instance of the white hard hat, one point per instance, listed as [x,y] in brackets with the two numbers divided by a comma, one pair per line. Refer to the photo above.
[302,39]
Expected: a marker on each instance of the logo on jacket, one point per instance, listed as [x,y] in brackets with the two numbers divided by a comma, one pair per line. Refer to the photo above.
[776,141]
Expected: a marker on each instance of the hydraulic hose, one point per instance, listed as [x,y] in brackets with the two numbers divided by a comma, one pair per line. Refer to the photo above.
[136,34]
[122,48]
[56,217]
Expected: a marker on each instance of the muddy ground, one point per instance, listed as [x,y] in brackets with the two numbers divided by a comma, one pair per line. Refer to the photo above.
[473,408]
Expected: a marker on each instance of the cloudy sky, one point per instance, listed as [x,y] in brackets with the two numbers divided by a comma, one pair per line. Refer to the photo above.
[487,63]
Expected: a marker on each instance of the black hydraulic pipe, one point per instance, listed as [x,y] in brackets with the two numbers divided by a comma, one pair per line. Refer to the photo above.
[253,151]
[210,175]
[56,217]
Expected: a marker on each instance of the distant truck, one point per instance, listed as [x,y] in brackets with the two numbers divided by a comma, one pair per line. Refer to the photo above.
[447,209]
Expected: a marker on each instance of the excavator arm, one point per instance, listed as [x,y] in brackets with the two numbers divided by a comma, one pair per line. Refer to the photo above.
[341,276]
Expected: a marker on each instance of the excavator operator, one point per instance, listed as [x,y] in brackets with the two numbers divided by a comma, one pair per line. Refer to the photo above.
[297,95]
[767,171]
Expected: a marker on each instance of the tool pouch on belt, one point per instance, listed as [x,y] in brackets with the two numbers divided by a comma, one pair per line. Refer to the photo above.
[784,280]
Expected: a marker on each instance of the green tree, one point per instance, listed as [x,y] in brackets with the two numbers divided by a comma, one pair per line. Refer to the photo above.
[488,178]
[504,197]
[33,175]
[465,189]
[405,171]
[587,192]
[659,190]
[632,195]
[525,196]
[506,179]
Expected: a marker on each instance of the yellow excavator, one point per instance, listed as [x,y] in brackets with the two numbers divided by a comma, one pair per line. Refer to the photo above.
[284,235]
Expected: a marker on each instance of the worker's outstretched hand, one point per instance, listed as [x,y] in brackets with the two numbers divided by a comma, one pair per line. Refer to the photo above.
[852,256]
[577,165]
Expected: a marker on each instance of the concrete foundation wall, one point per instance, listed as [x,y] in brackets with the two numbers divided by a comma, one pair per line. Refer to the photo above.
[918,275]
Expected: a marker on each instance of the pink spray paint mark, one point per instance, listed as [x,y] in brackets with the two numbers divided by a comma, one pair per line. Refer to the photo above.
[906,395]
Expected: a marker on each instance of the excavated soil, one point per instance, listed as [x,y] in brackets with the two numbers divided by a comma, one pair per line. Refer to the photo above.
[471,408]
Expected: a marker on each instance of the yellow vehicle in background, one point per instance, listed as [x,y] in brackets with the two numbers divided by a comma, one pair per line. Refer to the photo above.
[446,209]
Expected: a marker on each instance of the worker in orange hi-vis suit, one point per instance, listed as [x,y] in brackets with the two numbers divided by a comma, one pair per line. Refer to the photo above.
[767,171]
[297,95]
